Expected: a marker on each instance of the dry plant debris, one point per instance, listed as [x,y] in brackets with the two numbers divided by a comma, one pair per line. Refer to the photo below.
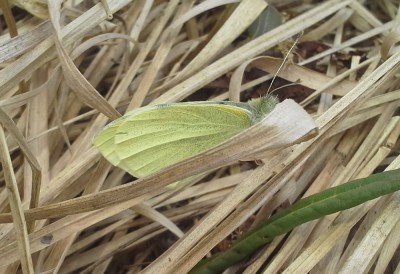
[66,70]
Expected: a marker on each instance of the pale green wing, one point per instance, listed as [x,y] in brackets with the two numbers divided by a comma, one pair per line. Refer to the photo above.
[104,141]
[143,142]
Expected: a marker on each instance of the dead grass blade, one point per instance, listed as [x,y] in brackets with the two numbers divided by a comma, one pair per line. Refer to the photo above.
[16,207]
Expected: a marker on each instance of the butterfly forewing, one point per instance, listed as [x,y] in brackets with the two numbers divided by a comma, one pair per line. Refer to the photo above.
[148,140]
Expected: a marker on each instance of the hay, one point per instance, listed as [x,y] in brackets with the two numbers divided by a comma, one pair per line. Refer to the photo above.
[65,73]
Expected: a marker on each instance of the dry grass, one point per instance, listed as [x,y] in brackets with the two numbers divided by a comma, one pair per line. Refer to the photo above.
[65,74]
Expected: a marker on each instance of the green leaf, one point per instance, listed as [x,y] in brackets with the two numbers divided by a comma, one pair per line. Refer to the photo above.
[269,19]
[332,200]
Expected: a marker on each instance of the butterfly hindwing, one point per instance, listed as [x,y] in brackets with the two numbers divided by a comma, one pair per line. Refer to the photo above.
[143,142]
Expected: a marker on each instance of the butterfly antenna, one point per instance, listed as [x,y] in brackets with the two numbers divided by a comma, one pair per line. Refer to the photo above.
[284,60]
[287,85]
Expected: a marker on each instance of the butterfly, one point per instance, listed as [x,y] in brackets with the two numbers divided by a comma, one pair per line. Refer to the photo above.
[151,138]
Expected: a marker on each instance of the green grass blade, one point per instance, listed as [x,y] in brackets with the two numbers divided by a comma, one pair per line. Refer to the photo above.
[313,207]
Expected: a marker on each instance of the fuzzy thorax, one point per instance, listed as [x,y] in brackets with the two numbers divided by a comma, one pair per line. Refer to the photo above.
[260,107]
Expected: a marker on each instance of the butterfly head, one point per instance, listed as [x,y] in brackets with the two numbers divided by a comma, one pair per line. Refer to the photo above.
[260,107]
